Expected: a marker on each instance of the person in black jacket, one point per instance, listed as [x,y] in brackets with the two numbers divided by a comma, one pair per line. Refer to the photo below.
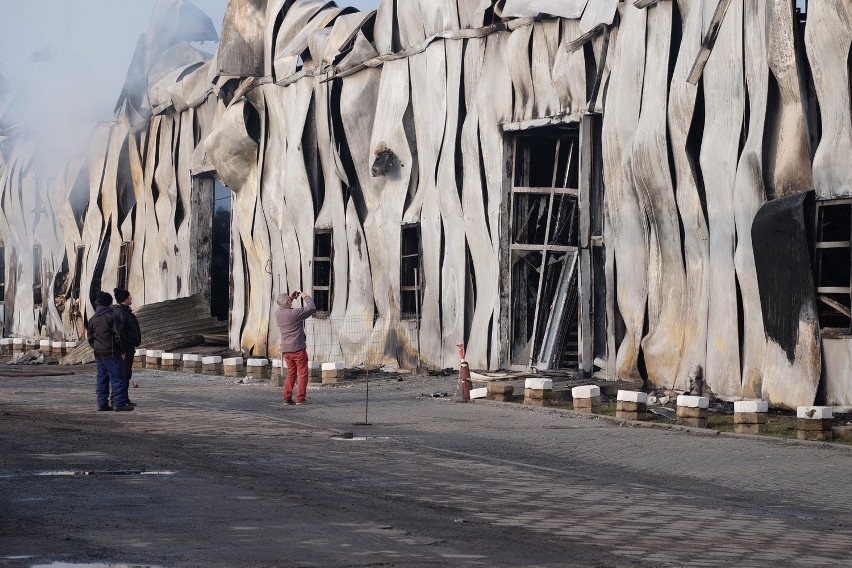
[105,333]
[132,334]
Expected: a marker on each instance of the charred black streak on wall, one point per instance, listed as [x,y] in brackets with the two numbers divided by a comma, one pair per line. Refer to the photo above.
[782,260]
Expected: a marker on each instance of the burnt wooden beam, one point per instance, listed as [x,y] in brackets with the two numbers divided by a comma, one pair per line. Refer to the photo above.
[708,42]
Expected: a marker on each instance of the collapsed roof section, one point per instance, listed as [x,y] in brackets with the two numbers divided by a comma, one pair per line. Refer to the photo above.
[284,40]
[163,57]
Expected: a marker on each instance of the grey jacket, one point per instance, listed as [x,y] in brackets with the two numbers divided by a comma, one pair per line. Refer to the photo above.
[291,328]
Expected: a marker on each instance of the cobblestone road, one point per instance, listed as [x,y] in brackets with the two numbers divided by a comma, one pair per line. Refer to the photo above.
[555,488]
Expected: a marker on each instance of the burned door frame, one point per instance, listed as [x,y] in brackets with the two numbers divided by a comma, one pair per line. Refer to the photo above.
[546,336]
[589,274]
[592,292]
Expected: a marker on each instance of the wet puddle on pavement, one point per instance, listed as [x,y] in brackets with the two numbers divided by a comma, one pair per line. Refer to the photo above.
[71,473]
[84,565]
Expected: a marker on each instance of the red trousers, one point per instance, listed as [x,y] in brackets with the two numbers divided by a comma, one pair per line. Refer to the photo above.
[297,364]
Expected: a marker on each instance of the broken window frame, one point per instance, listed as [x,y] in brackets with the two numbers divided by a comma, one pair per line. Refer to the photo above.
[546,338]
[323,301]
[835,301]
[410,270]
[124,253]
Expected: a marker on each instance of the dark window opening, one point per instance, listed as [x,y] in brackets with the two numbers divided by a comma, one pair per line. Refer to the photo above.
[37,295]
[547,162]
[833,266]
[220,270]
[410,272]
[78,273]
[323,272]
[100,264]
[123,263]
[126,198]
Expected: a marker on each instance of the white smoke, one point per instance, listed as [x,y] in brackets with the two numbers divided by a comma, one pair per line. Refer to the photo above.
[66,60]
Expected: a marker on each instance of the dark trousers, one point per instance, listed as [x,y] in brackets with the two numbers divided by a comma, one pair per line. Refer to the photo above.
[128,371]
[110,374]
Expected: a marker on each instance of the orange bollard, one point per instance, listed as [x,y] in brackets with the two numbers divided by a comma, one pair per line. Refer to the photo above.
[464,375]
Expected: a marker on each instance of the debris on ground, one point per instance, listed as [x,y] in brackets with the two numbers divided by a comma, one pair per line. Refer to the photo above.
[664,412]
[32,357]
[434,395]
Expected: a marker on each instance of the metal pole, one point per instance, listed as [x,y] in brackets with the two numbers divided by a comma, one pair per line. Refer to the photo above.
[367,400]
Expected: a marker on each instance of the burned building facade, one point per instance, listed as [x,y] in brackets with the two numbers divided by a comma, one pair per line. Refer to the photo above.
[653,189]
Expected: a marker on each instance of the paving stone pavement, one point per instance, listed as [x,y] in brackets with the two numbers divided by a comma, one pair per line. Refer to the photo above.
[648,495]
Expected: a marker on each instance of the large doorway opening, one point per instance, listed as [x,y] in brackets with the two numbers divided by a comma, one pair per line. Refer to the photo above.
[544,245]
[220,269]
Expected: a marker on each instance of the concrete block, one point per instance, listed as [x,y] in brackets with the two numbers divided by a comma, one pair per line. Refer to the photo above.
[748,406]
[690,401]
[843,433]
[694,422]
[814,435]
[691,412]
[500,397]
[57,348]
[170,361]
[333,372]
[258,368]
[587,403]
[18,344]
[537,401]
[153,358]
[814,412]
[314,371]
[478,393]
[815,425]
[627,406]
[192,363]
[538,394]
[538,383]
[751,417]
[69,345]
[211,365]
[586,391]
[44,346]
[30,344]
[628,415]
[234,366]
[750,428]
[632,396]
[500,388]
